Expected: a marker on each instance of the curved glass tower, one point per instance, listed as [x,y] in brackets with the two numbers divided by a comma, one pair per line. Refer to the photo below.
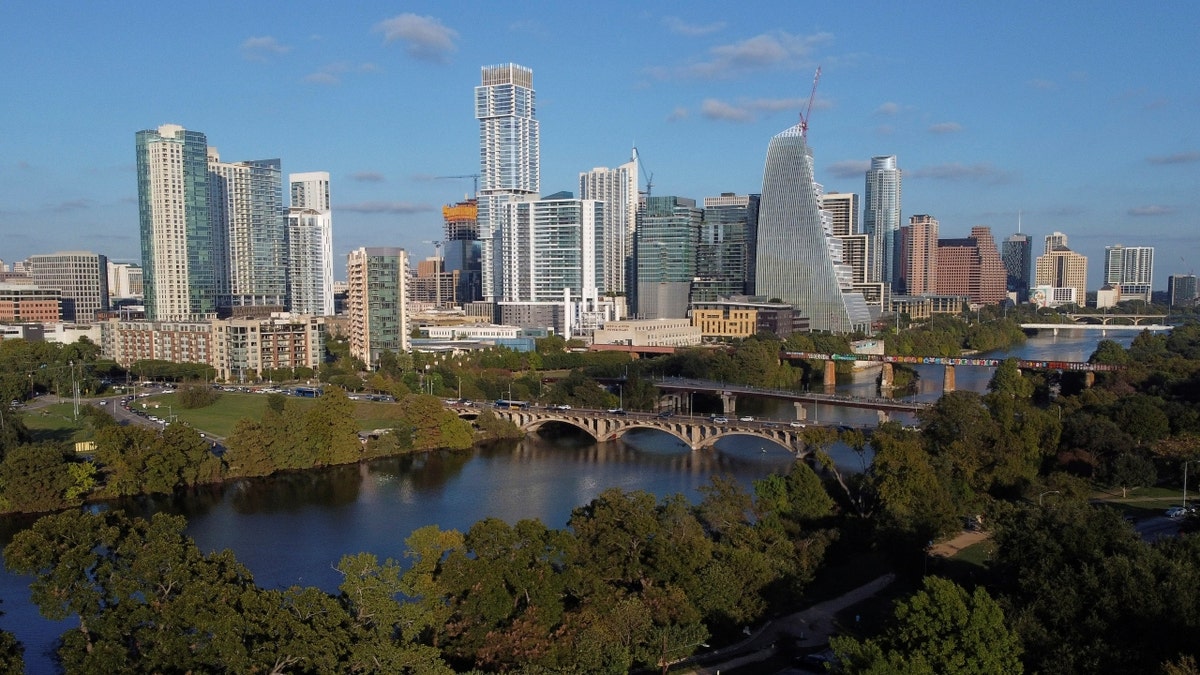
[799,259]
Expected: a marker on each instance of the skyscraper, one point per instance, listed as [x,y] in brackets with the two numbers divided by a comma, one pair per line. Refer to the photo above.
[1017,254]
[665,256]
[310,244]
[460,238]
[509,159]
[552,244]
[178,250]
[618,189]
[971,266]
[245,206]
[919,255]
[81,277]
[723,247]
[377,287]
[799,261]
[1181,290]
[1060,267]
[843,207]
[881,219]
[1131,268]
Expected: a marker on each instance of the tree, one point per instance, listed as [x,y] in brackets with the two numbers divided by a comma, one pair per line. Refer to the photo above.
[941,629]
[36,478]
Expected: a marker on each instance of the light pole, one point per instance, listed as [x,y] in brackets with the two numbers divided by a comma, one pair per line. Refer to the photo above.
[1185,466]
[1047,492]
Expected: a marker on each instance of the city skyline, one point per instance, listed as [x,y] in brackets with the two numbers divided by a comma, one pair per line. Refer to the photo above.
[1078,133]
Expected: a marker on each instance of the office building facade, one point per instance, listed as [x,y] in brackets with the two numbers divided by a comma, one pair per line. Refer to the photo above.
[178,252]
[509,160]
[80,277]
[1017,255]
[1060,267]
[919,256]
[462,251]
[124,280]
[665,256]
[377,292]
[971,267]
[881,219]
[799,261]
[729,224]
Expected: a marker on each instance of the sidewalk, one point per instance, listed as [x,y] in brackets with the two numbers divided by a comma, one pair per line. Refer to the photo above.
[811,627]
[951,547]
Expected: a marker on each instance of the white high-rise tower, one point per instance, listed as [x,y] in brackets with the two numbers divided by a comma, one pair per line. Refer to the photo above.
[881,219]
[509,159]
[310,244]
[618,189]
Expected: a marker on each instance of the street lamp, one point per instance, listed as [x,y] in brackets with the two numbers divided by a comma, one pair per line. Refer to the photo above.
[1048,492]
[1185,466]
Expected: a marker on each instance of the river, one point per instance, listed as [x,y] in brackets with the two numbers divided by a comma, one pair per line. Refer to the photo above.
[293,529]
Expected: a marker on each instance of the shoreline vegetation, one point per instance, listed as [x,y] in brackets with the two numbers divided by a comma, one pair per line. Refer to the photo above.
[635,581]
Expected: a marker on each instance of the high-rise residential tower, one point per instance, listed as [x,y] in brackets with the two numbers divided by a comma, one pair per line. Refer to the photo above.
[799,260]
[245,205]
[1131,268]
[550,245]
[310,244]
[881,219]
[509,159]
[1061,268]
[618,189]
[1181,290]
[665,256]
[81,277]
[919,255]
[179,254]
[1017,254]
[377,288]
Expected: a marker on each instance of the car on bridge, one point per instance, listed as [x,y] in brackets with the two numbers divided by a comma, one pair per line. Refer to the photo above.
[559,406]
[746,418]
[616,411]
[720,420]
[796,425]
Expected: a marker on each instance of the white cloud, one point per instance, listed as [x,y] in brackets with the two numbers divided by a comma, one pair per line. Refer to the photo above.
[1151,210]
[263,48]
[367,177]
[679,113]
[677,25]
[748,110]
[1176,158]
[424,37]
[331,73]
[945,128]
[768,50]
[720,110]
[888,109]
[850,168]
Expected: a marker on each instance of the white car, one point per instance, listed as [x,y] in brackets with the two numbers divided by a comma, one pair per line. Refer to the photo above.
[796,425]
[1177,512]
[746,418]
[720,420]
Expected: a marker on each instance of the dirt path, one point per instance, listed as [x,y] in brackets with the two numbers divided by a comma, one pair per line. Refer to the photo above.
[952,546]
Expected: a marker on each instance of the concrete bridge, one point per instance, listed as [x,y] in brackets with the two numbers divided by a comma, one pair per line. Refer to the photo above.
[730,392]
[696,432]
[1104,328]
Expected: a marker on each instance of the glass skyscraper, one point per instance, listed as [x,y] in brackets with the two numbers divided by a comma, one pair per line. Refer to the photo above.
[665,256]
[509,159]
[1017,253]
[723,249]
[881,219]
[799,260]
[179,254]
[249,225]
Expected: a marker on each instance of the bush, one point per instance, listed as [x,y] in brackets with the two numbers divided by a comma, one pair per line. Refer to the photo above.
[196,396]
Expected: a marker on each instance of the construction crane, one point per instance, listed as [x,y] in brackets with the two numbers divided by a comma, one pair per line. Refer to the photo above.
[808,111]
[439,265]
[473,176]
[642,167]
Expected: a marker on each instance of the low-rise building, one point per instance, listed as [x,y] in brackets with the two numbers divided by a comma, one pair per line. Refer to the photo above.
[649,333]
[26,303]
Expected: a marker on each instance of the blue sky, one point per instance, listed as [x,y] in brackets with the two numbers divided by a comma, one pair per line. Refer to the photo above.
[1080,116]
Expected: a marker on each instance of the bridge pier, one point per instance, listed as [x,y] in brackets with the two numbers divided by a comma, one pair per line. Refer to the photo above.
[672,402]
[830,374]
[883,416]
[1089,378]
[887,377]
[801,413]
[948,379]
[728,402]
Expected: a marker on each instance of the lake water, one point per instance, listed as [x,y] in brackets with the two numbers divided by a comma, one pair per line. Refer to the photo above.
[293,529]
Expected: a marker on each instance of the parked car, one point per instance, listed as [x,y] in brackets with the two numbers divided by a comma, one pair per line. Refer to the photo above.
[1177,511]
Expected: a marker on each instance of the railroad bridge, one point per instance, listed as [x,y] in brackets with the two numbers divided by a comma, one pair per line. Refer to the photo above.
[696,432]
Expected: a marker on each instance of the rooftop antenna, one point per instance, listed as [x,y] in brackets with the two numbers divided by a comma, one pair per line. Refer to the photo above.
[808,110]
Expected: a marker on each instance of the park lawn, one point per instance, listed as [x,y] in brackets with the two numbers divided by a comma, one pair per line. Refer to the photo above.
[220,418]
[976,554]
[57,423]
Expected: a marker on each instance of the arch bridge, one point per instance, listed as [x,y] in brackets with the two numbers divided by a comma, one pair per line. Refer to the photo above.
[696,432]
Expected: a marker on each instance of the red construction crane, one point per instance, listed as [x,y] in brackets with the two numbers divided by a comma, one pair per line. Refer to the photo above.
[808,111]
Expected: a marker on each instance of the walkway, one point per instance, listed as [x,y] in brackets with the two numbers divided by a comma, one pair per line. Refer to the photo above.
[808,628]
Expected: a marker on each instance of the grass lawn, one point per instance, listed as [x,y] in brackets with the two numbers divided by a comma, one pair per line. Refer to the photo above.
[219,418]
[976,554]
[57,423]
